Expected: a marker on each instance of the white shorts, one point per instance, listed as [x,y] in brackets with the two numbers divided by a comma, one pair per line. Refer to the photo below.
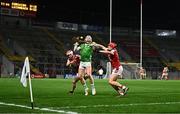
[118,72]
[83,65]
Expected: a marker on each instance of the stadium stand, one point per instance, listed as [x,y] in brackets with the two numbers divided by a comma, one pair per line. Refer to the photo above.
[36,44]
[46,46]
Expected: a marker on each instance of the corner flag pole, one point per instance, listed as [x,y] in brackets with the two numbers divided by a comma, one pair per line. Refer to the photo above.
[30,89]
[30,85]
[27,72]
[141,32]
[110,18]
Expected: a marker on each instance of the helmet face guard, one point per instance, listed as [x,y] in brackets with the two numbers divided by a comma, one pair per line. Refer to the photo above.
[112,45]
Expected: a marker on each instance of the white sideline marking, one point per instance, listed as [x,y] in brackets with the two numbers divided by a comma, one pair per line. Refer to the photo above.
[37,108]
[118,105]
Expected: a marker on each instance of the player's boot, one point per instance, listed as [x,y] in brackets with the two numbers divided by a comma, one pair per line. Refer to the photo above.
[86,91]
[121,92]
[93,91]
[125,90]
[71,92]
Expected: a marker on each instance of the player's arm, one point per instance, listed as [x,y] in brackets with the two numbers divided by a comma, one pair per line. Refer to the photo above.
[76,46]
[98,45]
[106,52]
[68,63]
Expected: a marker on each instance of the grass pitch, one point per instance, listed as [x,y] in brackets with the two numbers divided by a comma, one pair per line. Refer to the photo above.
[51,96]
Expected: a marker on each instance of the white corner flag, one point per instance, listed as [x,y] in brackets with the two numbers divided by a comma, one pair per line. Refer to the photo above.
[24,74]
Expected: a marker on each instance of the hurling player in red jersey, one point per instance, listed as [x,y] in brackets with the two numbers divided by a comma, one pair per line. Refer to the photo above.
[113,56]
[165,73]
[73,61]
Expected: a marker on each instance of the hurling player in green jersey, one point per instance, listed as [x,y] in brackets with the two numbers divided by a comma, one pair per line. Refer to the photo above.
[86,51]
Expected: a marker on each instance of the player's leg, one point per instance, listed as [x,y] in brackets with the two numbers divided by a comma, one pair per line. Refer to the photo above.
[81,73]
[86,76]
[166,76]
[162,76]
[141,76]
[76,79]
[101,76]
[118,90]
[91,79]
[113,81]
[145,76]
[116,85]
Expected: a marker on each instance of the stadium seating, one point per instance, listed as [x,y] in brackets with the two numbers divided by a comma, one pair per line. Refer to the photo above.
[38,45]
[47,46]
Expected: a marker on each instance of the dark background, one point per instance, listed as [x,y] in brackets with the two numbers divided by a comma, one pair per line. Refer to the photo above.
[126,13]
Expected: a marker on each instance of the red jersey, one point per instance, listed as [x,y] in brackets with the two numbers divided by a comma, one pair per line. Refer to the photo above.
[75,59]
[114,59]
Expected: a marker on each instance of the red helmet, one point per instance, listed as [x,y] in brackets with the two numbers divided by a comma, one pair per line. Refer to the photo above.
[112,45]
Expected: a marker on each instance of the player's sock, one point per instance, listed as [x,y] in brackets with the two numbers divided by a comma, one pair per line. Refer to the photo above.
[92,86]
[85,89]
[93,89]
[123,87]
[85,86]
[121,92]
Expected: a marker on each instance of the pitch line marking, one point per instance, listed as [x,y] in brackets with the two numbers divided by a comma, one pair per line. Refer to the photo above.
[119,105]
[37,108]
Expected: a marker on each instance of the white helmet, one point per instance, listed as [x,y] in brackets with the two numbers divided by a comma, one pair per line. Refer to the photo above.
[88,38]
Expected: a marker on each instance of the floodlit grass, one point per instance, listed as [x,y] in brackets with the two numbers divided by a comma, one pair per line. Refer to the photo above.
[144,96]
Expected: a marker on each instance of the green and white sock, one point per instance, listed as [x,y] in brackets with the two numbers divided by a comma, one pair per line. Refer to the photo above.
[85,86]
[92,86]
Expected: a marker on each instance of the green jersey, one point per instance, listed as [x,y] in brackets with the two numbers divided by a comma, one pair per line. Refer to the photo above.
[86,51]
